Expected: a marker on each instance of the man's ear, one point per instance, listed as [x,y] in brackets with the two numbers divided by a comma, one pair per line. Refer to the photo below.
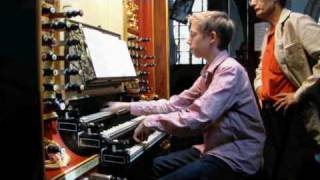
[213,36]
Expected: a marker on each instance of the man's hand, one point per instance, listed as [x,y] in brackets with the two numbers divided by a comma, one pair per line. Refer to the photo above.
[116,107]
[141,133]
[285,101]
[259,94]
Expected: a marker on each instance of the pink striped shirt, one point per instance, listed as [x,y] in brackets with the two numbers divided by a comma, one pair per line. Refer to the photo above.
[222,108]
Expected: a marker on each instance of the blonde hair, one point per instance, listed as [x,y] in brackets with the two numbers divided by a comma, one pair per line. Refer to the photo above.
[216,21]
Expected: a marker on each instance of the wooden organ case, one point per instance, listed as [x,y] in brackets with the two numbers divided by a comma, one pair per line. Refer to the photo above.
[146,32]
[75,88]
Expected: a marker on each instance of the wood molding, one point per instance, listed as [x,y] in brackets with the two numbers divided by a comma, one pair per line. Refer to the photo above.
[161,47]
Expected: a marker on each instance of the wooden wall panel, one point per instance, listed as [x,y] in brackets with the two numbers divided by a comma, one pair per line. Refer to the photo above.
[161,47]
[146,30]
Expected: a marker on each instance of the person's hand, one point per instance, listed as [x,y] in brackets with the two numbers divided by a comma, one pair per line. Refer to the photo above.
[259,94]
[117,107]
[141,133]
[285,101]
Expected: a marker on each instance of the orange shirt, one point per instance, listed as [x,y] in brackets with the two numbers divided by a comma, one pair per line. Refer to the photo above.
[274,80]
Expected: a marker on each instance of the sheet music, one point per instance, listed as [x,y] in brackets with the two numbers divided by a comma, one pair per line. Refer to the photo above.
[110,56]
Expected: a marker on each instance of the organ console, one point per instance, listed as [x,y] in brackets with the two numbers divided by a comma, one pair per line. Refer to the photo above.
[135,47]
[72,42]
[72,72]
[67,14]
[138,39]
[59,25]
[73,87]
[148,57]
[48,40]
[50,87]
[65,72]
[47,9]
[82,126]
[143,73]
[51,56]
[106,133]
[115,155]
[50,72]
[67,87]
[73,57]
[75,91]
[145,89]
[143,81]
[54,104]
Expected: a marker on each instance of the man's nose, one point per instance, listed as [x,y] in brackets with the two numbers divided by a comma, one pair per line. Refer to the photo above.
[252,3]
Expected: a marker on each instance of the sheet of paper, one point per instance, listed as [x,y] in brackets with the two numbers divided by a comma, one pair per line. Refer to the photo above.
[110,56]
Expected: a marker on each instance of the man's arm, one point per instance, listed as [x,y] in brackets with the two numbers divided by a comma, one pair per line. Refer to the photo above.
[209,108]
[308,31]
[175,103]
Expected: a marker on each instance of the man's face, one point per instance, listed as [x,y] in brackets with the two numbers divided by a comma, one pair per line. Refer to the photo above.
[263,8]
[198,41]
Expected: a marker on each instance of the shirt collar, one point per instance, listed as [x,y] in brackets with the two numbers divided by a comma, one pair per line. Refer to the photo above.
[284,15]
[209,68]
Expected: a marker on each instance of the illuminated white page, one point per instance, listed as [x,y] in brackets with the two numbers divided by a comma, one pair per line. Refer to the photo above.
[110,56]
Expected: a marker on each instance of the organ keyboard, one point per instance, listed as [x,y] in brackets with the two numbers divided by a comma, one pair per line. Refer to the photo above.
[115,143]
[116,131]
[138,149]
[113,157]
[86,130]
[95,117]
[95,140]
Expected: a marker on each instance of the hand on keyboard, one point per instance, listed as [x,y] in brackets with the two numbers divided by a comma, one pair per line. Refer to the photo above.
[117,107]
[141,133]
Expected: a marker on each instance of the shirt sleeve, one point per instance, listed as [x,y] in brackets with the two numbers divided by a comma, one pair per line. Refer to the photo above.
[307,32]
[205,110]
[163,106]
